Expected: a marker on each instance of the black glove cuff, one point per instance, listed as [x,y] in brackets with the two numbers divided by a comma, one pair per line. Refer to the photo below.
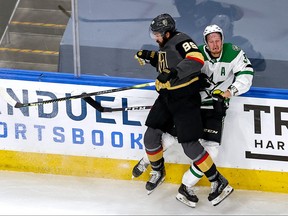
[173,73]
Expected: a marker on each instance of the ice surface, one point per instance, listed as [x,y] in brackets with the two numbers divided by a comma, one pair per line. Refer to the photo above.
[24,193]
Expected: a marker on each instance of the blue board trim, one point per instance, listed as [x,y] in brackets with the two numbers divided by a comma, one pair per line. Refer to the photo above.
[93,80]
[271,93]
[65,78]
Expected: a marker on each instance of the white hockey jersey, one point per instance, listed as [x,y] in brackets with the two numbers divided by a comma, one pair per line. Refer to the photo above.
[232,68]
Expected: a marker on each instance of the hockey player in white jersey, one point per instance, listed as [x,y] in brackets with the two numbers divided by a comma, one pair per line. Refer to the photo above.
[227,72]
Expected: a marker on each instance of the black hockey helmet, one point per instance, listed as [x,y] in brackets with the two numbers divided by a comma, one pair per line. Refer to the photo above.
[162,24]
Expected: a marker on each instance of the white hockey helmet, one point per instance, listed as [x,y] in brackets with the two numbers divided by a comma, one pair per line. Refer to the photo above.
[212,29]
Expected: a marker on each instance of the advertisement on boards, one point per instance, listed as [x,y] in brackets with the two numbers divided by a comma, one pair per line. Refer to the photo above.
[254,137]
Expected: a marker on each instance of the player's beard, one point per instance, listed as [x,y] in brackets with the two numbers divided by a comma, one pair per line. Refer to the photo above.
[162,44]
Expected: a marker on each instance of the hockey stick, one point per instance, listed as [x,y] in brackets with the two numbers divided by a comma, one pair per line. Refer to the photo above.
[100,108]
[83,95]
[64,11]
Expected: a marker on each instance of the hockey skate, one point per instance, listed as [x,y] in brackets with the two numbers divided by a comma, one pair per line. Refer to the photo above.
[139,168]
[187,196]
[220,189]
[156,179]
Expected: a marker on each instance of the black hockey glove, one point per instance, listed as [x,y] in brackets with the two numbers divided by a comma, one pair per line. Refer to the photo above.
[220,104]
[204,81]
[167,74]
[217,95]
[149,56]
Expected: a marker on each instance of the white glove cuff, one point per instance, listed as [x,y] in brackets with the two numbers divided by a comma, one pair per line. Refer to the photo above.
[233,90]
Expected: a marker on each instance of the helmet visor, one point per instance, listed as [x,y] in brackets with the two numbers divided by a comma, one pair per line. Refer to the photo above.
[155,35]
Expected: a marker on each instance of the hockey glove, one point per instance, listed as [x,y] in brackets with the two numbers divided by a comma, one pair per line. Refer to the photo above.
[167,74]
[217,95]
[148,56]
[220,104]
[141,61]
[204,81]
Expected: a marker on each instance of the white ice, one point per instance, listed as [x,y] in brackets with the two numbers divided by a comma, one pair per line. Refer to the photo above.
[23,193]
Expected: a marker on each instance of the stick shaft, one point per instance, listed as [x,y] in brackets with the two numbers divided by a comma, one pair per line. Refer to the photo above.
[100,108]
[19,105]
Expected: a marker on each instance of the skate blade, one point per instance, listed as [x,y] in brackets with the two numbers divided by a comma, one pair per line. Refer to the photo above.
[225,193]
[150,191]
[184,200]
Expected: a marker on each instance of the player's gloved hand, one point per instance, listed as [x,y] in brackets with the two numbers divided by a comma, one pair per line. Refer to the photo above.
[204,81]
[148,56]
[167,74]
[217,95]
[220,104]
[141,61]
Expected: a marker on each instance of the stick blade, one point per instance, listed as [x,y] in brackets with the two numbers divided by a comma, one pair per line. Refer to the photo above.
[19,105]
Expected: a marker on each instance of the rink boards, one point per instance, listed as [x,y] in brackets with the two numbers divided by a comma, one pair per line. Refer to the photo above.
[72,138]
